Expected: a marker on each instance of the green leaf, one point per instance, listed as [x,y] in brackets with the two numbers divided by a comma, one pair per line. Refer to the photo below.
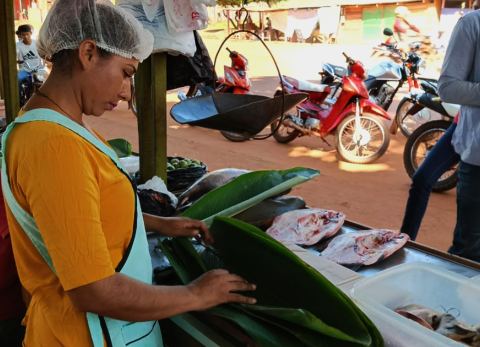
[184,258]
[122,147]
[300,318]
[246,191]
[261,331]
[284,280]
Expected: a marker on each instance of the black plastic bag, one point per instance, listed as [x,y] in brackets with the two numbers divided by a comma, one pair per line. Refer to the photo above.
[156,203]
[186,71]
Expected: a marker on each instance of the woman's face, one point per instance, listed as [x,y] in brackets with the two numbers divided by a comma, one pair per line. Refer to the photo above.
[106,82]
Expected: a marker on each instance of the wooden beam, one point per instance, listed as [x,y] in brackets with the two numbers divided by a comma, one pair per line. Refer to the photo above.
[8,60]
[151,95]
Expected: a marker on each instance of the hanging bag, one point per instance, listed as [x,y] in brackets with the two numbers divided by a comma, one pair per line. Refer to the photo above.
[185,15]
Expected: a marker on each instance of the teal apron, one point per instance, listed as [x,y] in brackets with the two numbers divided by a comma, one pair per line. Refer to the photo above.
[136,262]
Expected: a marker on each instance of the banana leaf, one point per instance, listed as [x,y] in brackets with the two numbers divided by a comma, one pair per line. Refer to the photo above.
[246,191]
[284,280]
[122,147]
[262,332]
[183,258]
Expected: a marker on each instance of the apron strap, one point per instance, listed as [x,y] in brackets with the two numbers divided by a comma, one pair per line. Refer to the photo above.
[25,220]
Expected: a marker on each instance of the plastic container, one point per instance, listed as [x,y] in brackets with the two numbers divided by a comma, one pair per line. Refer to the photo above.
[422,284]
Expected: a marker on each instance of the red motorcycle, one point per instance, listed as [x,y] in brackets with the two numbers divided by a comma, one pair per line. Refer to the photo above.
[361,135]
[235,80]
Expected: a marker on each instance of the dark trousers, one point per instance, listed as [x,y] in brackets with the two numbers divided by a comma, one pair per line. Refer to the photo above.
[441,158]
[466,238]
[11,332]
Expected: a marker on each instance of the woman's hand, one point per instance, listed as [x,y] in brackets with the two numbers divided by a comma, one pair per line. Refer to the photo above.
[218,287]
[178,226]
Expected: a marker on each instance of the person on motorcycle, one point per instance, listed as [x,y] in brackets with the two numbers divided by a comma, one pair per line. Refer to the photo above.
[402,26]
[28,59]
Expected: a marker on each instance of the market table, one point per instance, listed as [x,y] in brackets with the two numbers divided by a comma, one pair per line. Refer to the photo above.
[195,329]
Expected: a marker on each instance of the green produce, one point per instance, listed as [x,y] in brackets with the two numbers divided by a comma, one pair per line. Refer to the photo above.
[122,147]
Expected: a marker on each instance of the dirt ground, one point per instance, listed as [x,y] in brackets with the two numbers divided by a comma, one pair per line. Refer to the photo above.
[373,194]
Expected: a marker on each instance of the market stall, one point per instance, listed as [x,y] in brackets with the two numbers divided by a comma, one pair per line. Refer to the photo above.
[332,292]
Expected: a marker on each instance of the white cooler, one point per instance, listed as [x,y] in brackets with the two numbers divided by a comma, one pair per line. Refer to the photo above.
[421,284]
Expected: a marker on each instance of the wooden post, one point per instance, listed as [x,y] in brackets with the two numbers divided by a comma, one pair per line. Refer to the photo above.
[8,60]
[151,94]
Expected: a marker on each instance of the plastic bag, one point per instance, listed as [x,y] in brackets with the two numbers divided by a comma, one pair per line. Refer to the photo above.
[152,16]
[157,184]
[185,15]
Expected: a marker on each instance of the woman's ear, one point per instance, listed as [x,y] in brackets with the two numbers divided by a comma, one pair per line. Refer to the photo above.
[87,54]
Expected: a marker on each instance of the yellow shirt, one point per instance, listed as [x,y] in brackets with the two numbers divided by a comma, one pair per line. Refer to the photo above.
[84,208]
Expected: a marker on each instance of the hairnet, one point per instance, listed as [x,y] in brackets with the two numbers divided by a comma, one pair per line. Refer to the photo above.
[69,22]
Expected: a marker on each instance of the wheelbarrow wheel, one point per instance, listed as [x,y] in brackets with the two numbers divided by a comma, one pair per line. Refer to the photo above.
[235,137]
[283,134]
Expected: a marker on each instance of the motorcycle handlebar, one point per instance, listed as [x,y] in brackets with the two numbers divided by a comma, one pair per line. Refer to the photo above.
[349,60]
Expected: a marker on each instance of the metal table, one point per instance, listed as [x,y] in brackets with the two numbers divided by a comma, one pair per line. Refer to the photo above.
[413,252]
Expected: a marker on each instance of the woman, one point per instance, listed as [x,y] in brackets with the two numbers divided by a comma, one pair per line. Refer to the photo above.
[72,207]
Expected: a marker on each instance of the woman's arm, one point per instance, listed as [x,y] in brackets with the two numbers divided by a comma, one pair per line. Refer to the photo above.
[122,297]
[177,226]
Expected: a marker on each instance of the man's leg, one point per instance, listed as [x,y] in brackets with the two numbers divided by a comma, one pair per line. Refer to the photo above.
[466,238]
[441,158]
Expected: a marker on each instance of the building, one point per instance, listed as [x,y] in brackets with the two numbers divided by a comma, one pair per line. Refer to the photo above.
[349,21]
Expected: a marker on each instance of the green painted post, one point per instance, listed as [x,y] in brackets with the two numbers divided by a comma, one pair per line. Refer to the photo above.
[151,95]
[8,60]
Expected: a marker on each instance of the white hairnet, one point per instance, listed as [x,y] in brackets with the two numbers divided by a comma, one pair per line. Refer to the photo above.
[69,22]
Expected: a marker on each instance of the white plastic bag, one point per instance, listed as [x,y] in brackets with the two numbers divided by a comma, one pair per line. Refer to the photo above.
[152,16]
[185,15]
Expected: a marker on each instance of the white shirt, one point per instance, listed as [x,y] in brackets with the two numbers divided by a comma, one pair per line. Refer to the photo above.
[29,55]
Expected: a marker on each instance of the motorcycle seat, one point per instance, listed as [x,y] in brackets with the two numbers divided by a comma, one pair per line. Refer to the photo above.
[337,70]
[306,86]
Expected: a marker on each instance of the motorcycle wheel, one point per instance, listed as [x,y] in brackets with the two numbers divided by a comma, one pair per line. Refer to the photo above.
[409,123]
[417,148]
[283,134]
[376,146]
[235,137]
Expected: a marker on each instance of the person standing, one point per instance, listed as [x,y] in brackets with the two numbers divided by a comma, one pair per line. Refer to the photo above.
[459,83]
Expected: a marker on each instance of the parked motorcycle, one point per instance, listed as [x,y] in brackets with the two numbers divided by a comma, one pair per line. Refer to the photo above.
[343,109]
[421,106]
[381,76]
[36,77]
[419,145]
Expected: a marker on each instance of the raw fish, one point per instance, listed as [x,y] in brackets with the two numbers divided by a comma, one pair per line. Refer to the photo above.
[263,214]
[307,226]
[209,182]
[364,247]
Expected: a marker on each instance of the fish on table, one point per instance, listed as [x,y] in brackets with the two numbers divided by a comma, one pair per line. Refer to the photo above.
[306,226]
[364,247]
